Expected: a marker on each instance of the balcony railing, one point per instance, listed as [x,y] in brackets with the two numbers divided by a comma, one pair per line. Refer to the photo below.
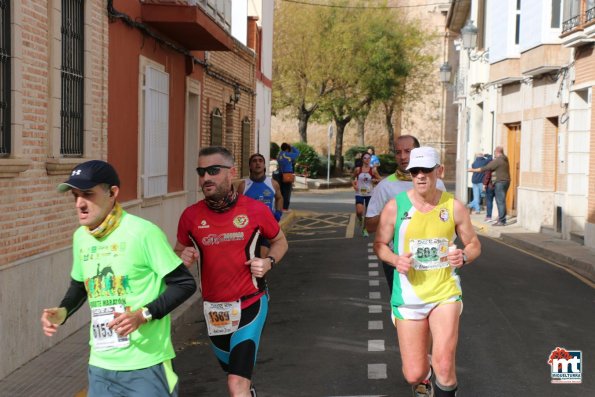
[590,15]
[571,23]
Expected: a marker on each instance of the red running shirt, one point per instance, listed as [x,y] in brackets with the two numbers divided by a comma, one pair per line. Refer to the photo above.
[225,241]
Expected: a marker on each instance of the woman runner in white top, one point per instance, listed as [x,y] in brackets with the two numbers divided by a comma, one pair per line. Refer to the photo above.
[364,178]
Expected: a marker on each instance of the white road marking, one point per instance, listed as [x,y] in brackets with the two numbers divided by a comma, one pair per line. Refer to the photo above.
[376,345]
[370,249]
[373,273]
[375,324]
[374,283]
[373,264]
[372,257]
[374,295]
[375,309]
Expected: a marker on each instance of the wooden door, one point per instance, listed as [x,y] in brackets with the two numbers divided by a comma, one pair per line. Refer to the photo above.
[514,161]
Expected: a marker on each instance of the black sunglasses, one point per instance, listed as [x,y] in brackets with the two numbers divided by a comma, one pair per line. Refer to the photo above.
[211,169]
[417,170]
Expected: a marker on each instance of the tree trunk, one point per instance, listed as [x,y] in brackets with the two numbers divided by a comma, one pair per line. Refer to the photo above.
[303,118]
[388,119]
[361,121]
[340,124]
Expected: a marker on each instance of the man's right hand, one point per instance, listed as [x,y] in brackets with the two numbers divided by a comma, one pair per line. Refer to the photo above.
[188,256]
[51,319]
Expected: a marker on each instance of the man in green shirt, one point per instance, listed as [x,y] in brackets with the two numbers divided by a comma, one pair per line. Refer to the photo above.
[126,269]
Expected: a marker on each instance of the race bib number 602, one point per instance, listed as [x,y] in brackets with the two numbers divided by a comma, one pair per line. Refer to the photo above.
[429,254]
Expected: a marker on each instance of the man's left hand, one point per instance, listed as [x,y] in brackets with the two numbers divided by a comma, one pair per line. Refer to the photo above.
[259,266]
[126,323]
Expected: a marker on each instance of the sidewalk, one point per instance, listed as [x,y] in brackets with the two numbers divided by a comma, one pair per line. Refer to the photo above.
[62,370]
[571,255]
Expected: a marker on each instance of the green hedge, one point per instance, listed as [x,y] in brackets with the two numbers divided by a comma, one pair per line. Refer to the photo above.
[274,150]
[388,164]
[308,157]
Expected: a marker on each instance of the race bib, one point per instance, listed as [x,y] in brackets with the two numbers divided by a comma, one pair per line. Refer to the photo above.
[429,254]
[222,318]
[103,337]
[363,191]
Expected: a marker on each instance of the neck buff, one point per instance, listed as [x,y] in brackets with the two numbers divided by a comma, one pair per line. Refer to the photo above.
[261,179]
[403,176]
[224,204]
[109,224]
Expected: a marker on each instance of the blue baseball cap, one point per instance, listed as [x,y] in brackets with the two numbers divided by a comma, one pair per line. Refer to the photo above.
[89,174]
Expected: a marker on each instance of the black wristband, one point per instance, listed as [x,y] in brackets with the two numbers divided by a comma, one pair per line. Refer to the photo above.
[273,261]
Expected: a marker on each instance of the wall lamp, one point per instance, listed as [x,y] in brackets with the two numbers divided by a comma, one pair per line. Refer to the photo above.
[445,73]
[469,39]
[235,97]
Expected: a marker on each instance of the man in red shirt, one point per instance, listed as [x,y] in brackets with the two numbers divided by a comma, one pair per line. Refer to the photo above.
[223,233]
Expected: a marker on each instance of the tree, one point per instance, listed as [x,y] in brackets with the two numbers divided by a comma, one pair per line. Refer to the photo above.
[337,63]
[299,69]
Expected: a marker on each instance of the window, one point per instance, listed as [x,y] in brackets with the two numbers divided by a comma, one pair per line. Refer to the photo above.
[246,147]
[590,12]
[5,142]
[156,132]
[72,78]
[556,14]
[517,32]
[216,128]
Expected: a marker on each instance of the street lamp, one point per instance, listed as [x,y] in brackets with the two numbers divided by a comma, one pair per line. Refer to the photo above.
[469,38]
[445,73]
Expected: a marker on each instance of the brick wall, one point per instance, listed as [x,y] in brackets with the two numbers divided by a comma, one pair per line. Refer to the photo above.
[230,66]
[35,218]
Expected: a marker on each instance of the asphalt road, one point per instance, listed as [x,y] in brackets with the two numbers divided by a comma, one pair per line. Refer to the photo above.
[329,331]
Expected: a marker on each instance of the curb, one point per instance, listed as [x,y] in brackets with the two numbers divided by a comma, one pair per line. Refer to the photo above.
[579,265]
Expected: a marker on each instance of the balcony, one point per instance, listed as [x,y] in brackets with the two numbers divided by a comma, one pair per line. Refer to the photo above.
[579,30]
[187,23]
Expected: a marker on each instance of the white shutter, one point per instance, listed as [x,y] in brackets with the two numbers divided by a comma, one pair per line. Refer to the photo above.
[156,123]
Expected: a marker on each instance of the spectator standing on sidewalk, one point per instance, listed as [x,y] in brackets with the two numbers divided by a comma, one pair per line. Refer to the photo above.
[477,182]
[286,159]
[488,187]
[389,187]
[222,233]
[124,266]
[427,299]
[374,160]
[501,180]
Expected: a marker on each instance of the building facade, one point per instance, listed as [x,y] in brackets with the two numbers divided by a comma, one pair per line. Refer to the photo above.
[141,84]
[533,98]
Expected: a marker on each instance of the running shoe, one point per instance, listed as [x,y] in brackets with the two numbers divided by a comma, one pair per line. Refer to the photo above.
[252,391]
[423,389]
[365,233]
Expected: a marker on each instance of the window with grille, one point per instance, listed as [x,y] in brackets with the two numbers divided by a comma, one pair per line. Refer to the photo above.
[5,141]
[216,128]
[72,78]
[156,132]
[246,147]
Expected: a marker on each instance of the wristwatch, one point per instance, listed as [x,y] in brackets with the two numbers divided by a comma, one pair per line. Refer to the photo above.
[273,261]
[464,258]
[146,314]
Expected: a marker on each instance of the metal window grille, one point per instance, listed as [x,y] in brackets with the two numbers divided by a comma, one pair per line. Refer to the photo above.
[72,76]
[5,141]
[216,128]
[246,148]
